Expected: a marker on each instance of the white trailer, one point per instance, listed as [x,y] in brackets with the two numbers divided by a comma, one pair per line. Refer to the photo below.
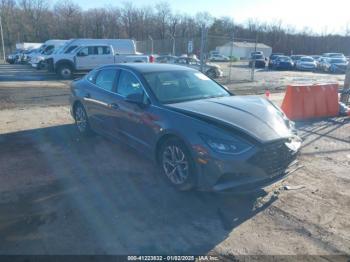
[28,46]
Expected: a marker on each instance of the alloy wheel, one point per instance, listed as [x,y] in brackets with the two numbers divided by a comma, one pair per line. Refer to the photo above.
[175,164]
[81,119]
[66,73]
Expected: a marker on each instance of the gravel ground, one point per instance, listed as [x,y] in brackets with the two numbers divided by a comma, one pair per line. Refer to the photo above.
[61,194]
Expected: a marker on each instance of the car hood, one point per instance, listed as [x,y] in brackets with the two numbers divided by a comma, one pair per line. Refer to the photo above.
[254,116]
[211,65]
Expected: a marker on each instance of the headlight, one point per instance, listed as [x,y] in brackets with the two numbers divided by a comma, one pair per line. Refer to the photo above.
[294,143]
[234,146]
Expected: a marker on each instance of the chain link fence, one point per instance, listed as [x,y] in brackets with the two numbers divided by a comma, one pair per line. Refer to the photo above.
[220,53]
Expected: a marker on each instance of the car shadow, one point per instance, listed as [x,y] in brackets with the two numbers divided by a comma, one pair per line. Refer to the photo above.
[311,131]
[100,197]
[24,72]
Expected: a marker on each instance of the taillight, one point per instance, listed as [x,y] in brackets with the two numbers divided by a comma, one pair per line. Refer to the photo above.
[151,59]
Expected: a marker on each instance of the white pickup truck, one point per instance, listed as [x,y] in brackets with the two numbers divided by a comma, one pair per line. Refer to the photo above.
[87,57]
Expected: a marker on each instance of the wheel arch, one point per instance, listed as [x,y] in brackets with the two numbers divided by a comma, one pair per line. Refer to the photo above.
[165,137]
[76,103]
[64,62]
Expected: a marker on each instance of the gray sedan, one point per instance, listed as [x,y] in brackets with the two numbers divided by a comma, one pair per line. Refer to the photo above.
[199,134]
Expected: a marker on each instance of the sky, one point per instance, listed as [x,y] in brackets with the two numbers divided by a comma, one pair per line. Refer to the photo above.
[321,16]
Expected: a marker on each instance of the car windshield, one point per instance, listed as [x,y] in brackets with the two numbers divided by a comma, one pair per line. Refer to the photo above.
[307,59]
[337,60]
[284,59]
[179,86]
[297,57]
[258,56]
[336,55]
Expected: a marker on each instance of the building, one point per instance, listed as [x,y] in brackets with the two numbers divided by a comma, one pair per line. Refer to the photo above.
[242,50]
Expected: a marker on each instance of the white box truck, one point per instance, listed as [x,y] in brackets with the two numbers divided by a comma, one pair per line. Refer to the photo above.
[80,55]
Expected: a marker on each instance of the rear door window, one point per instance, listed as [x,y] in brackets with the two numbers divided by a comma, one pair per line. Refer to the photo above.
[102,50]
[105,79]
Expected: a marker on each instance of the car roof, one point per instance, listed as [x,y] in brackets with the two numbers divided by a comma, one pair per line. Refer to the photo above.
[150,67]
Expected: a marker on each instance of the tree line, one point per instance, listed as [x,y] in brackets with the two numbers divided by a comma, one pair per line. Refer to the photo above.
[38,21]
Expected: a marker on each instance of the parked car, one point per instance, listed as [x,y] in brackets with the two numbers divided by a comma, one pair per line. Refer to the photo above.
[335,65]
[306,63]
[38,60]
[27,55]
[296,58]
[11,58]
[209,69]
[201,136]
[320,63]
[259,60]
[273,56]
[316,57]
[283,63]
[168,59]
[334,55]
[218,58]
[87,57]
[256,53]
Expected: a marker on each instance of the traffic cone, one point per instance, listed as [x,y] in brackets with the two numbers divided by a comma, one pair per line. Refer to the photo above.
[267,93]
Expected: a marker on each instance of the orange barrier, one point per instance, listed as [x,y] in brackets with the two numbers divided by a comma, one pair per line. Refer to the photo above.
[305,102]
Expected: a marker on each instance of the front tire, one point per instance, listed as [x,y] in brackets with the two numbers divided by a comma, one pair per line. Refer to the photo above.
[212,74]
[65,72]
[177,164]
[81,120]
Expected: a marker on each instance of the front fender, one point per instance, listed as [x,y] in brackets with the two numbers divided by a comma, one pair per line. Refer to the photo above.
[62,62]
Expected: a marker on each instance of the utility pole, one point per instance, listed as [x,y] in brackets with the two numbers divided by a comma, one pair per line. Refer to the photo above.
[254,59]
[150,38]
[173,51]
[2,40]
[346,89]
[202,47]
[231,56]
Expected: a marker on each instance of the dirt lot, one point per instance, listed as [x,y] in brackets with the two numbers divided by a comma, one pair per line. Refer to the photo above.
[61,194]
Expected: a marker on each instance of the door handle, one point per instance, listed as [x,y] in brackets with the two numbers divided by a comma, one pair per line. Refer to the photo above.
[87,95]
[114,106]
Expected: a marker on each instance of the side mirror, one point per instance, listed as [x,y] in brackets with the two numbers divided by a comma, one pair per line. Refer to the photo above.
[82,54]
[136,98]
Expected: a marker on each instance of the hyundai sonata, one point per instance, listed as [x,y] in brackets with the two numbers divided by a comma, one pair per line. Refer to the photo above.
[201,135]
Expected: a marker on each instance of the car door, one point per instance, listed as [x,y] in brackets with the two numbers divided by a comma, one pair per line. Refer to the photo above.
[137,122]
[101,102]
[84,58]
[102,55]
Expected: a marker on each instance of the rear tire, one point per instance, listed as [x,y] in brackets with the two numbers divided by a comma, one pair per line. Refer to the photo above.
[81,120]
[177,164]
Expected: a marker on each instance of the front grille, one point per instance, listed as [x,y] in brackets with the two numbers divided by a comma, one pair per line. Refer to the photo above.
[274,158]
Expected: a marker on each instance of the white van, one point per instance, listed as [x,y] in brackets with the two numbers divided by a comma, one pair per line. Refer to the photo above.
[46,49]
